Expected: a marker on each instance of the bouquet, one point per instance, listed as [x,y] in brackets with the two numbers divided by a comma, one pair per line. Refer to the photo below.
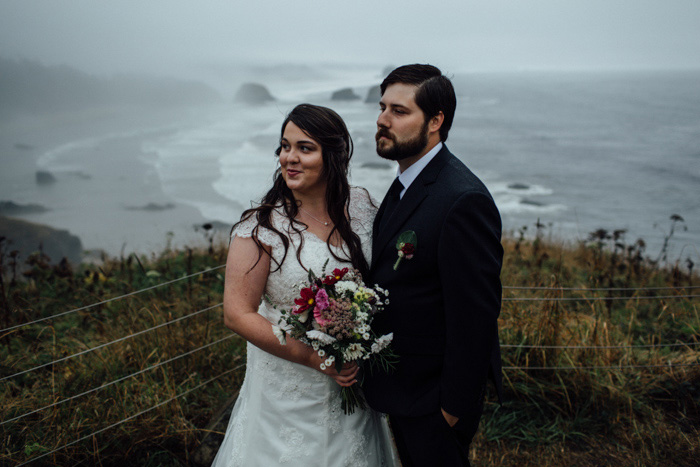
[333,314]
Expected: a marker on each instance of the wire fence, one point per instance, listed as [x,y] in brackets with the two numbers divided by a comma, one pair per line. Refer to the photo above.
[507,299]
[587,299]
[113,299]
[633,346]
[131,417]
[600,289]
[124,378]
[618,367]
[121,339]
[601,367]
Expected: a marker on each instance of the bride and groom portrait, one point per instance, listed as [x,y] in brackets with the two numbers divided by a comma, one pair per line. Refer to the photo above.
[433,244]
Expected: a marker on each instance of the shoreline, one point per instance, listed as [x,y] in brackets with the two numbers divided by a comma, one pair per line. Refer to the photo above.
[124,208]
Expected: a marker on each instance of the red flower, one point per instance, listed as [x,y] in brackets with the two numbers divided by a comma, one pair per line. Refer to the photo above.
[335,277]
[306,301]
[408,249]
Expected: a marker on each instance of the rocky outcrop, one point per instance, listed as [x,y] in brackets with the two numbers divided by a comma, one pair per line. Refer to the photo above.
[10,208]
[27,237]
[152,207]
[376,165]
[44,178]
[345,94]
[253,93]
[373,95]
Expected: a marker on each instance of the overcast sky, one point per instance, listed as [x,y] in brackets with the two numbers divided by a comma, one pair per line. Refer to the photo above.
[164,36]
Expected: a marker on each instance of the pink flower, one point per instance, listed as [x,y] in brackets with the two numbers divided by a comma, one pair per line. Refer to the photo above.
[322,304]
[322,299]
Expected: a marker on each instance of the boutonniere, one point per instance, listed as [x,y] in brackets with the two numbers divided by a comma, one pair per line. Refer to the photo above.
[405,246]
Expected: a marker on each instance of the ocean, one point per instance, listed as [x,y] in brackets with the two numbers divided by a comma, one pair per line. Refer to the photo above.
[575,152]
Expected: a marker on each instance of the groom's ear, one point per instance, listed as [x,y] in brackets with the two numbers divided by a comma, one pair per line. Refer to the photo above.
[435,122]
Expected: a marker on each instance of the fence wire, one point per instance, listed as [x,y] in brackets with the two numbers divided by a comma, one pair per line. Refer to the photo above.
[131,417]
[601,367]
[635,346]
[581,299]
[124,378]
[599,289]
[101,346]
[113,299]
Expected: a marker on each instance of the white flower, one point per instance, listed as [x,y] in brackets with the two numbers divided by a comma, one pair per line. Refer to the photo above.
[280,334]
[323,366]
[382,342]
[365,336]
[369,292]
[343,286]
[303,316]
[320,336]
[315,345]
[328,362]
[353,352]
[321,353]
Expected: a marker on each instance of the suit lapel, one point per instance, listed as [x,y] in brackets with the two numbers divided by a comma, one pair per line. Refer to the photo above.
[414,196]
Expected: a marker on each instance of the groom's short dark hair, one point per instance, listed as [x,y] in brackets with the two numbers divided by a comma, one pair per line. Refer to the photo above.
[435,92]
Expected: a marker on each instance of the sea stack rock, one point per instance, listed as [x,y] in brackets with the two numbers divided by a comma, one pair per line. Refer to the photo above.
[27,237]
[388,69]
[10,208]
[374,94]
[44,178]
[345,94]
[253,93]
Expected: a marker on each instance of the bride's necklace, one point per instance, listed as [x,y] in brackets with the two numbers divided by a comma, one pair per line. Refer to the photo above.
[314,217]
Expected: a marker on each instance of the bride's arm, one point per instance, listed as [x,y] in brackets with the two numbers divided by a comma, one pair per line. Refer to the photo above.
[243,290]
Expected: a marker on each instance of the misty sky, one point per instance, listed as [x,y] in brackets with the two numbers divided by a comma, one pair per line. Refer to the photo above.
[167,36]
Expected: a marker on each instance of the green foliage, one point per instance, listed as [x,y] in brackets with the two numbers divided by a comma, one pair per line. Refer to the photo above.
[602,416]
[610,415]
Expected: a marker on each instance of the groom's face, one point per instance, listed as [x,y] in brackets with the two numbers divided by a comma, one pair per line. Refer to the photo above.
[402,130]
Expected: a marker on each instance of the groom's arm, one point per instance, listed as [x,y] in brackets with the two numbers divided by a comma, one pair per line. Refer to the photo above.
[469,261]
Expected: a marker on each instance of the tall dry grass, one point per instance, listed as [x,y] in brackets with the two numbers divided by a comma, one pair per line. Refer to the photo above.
[613,415]
[621,406]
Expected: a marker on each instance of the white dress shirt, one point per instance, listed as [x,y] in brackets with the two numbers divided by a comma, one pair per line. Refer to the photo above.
[410,174]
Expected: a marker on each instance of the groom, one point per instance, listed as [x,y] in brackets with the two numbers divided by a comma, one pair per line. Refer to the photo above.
[437,250]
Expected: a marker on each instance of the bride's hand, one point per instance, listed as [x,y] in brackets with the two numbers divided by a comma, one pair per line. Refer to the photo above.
[347,376]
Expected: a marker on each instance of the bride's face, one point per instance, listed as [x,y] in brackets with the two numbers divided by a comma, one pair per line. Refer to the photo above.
[301,160]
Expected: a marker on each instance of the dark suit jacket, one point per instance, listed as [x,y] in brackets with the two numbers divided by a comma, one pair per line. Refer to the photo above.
[445,301]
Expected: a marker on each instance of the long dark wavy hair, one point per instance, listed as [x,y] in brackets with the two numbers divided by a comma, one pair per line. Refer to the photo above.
[328,129]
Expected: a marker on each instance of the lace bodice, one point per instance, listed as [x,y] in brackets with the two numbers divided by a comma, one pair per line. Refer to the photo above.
[287,413]
[281,286]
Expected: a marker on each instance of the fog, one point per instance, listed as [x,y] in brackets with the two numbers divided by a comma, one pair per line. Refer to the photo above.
[190,39]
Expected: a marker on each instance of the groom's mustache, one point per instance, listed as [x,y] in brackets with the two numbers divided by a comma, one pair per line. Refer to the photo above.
[385,133]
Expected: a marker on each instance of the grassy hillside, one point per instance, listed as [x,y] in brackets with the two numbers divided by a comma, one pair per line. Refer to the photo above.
[622,405]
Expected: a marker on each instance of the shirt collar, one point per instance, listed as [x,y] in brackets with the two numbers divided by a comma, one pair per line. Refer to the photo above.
[410,174]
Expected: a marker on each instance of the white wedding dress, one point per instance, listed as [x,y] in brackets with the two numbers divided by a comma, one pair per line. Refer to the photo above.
[290,414]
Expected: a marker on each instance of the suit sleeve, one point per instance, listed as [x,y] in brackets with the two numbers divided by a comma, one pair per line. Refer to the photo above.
[469,261]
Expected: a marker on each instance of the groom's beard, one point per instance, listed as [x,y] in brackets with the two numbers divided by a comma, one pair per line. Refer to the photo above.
[404,149]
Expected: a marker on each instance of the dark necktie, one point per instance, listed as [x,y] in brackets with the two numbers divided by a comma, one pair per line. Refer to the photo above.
[392,200]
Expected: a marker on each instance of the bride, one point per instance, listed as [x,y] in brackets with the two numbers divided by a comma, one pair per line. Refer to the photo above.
[288,411]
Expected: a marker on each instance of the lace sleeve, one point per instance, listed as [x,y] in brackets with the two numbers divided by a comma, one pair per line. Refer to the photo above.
[266,236]
[362,209]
